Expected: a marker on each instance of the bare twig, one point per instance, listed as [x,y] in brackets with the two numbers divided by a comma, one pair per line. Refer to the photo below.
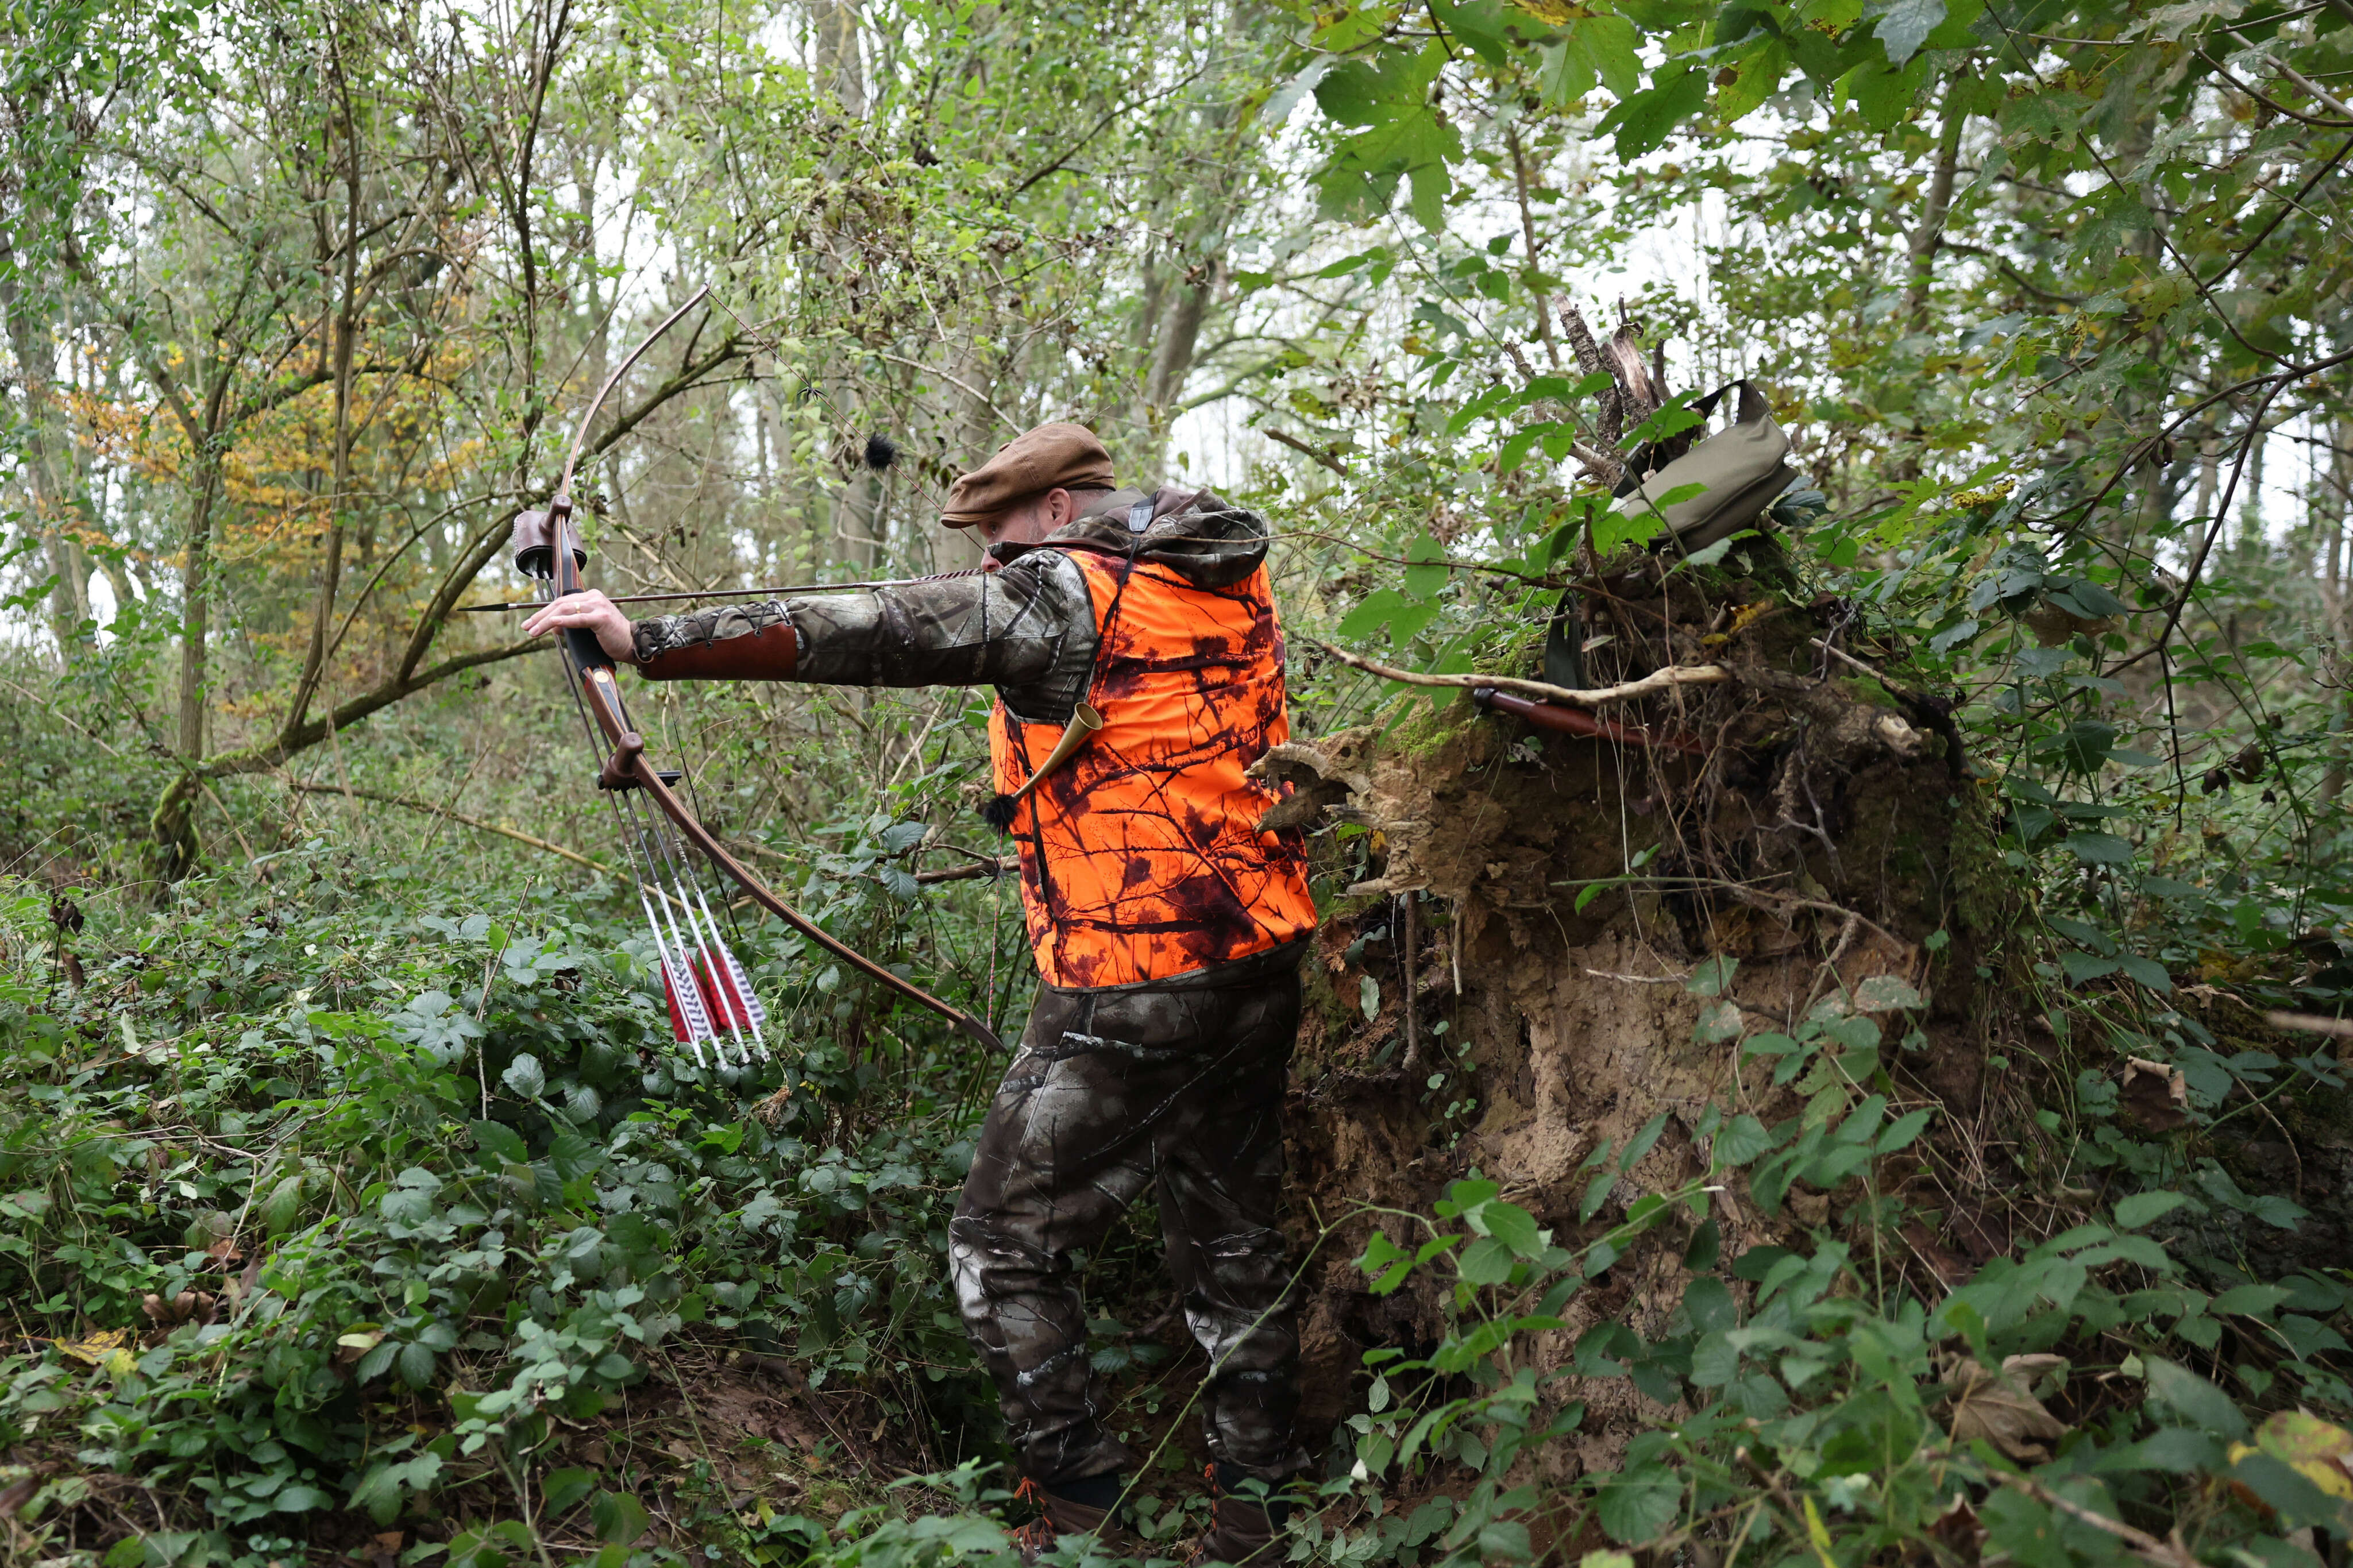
[2310,1023]
[2320,95]
[1845,657]
[1001,866]
[1651,685]
[2169,1554]
[1316,453]
[460,817]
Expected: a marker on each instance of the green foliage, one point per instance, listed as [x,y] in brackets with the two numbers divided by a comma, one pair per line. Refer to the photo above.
[363,1139]
[392,1200]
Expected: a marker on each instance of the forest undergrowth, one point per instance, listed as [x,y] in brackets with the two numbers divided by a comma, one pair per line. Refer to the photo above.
[355,1211]
[1887,1112]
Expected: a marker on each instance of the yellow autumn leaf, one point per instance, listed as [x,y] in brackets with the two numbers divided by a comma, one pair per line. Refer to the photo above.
[94,1349]
[2315,1450]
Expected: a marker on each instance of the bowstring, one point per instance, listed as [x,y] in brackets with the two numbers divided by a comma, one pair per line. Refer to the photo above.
[676,975]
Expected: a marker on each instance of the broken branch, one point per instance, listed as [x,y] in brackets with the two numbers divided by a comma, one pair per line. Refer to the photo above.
[1651,685]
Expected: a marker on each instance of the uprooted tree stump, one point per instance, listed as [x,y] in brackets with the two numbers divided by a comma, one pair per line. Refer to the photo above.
[1820,829]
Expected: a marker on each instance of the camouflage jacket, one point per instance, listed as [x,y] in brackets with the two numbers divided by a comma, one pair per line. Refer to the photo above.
[1027,628]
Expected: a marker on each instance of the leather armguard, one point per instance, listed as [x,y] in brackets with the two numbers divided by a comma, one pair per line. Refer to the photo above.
[769,654]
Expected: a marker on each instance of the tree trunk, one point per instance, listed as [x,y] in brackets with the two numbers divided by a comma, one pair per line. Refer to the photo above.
[345,329]
[2334,502]
[48,499]
[1175,339]
[206,434]
[1929,235]
[834,48]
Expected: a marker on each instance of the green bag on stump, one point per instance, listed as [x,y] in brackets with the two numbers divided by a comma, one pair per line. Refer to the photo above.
[1744,465]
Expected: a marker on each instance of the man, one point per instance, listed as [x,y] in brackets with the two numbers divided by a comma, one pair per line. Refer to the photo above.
[1167,929]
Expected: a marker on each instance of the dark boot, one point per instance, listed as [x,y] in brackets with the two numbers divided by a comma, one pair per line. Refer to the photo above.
[1242,1533]
[1060,1514]
[1242,1529]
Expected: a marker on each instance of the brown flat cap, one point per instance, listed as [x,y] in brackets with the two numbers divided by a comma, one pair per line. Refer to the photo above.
[1056,457]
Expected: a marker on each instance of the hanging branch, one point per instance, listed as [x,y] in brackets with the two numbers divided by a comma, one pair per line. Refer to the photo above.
[305,787]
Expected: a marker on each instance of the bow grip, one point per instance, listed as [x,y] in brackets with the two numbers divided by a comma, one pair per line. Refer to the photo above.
[587,653]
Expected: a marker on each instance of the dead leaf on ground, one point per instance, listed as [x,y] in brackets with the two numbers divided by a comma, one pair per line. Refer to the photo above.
[1999,1407]
[19,1492]
[180,1309]
[1949,1271]
[2155,1095]
[1959,1530]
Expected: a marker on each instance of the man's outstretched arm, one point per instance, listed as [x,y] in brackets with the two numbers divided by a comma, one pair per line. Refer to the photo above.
[1021,627]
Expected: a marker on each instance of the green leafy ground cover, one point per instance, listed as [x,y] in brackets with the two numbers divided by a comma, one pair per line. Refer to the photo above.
[431,1253]
[340,1221]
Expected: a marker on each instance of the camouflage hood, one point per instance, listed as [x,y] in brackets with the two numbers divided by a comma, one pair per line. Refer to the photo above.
[1211,542]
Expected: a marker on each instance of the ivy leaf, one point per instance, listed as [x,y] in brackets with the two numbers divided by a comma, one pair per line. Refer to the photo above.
[2193,1398]
[525,1076]
[564,1489]
[2146,1208]
[1886,993]
[1712,975]
[1744,1139]
[1719,1021]
[501,1145]
[1401,134]
[1514,1227]
[1370,615]
[1710,1305]
[1424,580]
[619,1518]
[2083,966]
[1485,1261]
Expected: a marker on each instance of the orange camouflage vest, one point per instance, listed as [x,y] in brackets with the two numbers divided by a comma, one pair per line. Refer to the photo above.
[1138,857]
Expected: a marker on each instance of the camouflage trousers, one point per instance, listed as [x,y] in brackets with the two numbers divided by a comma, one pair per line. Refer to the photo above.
[1179,1088]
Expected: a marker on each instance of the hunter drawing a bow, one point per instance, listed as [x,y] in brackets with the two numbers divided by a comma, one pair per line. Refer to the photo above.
[712,1006]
